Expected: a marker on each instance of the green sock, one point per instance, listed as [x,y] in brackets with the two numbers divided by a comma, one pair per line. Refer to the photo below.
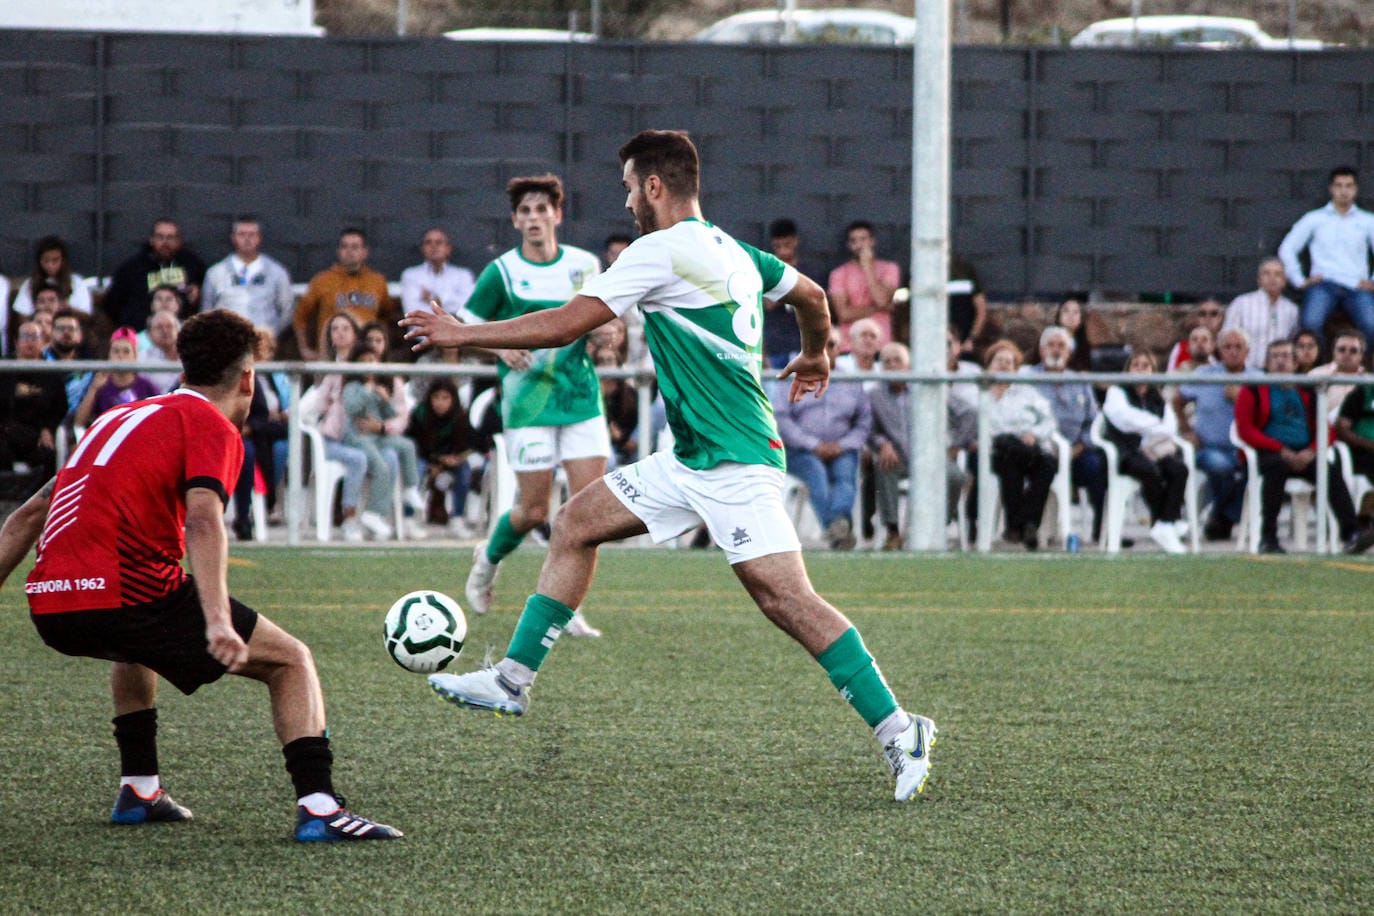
[538,628]
[857,678]
[503,540]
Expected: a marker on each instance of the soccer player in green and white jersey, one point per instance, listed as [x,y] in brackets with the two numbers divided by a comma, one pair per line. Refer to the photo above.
[551,408]
[701,293]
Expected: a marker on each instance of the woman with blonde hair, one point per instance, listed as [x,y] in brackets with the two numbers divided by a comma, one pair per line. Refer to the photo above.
[1023,456]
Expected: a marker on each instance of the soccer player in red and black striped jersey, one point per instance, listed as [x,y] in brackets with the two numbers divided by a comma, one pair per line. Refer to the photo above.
[108,581]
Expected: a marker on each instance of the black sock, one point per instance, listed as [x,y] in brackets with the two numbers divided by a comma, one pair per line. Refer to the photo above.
[311,764]
[136,735]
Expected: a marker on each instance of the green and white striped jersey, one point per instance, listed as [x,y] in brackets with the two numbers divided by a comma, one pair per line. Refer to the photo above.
[560,386]
[702,293]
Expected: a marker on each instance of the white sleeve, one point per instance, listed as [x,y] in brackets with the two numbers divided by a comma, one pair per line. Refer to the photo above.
[640,269]
[1126,418]
[23,301]
[1295,241]
[410,291]
[786,283]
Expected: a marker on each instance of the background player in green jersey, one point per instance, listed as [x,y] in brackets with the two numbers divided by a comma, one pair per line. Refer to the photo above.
[701,293]
[551,409]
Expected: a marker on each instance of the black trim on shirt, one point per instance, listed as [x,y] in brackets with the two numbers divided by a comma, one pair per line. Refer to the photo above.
[208,483]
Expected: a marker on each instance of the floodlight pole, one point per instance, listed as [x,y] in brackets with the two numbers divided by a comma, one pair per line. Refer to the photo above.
[926,455]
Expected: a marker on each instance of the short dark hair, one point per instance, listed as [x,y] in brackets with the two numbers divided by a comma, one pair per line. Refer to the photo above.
[548,183]
[859,224]
[214,346]
[1341,170]
[353,230]
[617,238]
[1355,335]
[782,228]
[669,154]
[163,220]
[68,312]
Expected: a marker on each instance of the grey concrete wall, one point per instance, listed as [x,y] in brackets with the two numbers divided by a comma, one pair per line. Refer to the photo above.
[1072,170]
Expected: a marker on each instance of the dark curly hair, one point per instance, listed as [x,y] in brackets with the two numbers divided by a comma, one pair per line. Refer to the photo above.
[214,347]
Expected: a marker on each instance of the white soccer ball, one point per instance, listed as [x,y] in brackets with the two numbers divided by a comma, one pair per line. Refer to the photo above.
[424,631]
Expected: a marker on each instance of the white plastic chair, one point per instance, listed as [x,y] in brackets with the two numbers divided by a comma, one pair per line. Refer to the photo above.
[1301,495]
[1122,488]
[326,476]
[1356,483]
[1061,488]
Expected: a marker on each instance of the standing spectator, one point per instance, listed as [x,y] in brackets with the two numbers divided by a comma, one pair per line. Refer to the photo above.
[1214,410]
[110,389]
[164,260]
[823,438]
[862,287]
[890,443]
[162,345]
[866,339]
[1307,350]
[1338,238]
[67,344]
[1071,316]
[1347,358]
[435,279]
[443,442]
[781,336]
[1265,314]
[1280,423]
[1210,314]
[32,406]
[1142,425]
[249,282]
[53,270]
[1202,348]
[350,288]
[1022,458]
[1074,407]
[968,307]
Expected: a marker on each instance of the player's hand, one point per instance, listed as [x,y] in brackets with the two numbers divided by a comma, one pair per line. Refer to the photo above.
[519,360]
[809,374]
[226,646]
[435,328]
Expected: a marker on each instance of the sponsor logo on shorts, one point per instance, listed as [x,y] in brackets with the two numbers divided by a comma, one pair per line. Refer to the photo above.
[741,537]
[624,486]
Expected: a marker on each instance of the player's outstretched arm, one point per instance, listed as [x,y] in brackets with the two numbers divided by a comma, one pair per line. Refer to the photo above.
[207,551]
[22,529]
[810,371]
[534,331]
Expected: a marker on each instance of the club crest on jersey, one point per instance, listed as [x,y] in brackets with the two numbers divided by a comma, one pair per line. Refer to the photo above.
[577,276]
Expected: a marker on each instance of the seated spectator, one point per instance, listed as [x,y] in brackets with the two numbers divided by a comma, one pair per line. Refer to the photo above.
[163,261]
[1265,314]
[1075,408]
[32,407]
[621,398]
[52,269]
[269,427]
[1307,350]
[349,287]
[46,304]
[890,443]
[340,336]
[5,315]
[1347,354]
[1023,459]
[863,286]
[1355,427]
[1142,426]
[110,389]
[249,282]
[1214,409]
[443,444]
[1280,423]
[1072,317]
[1338,238]
[823,437]
[165,299]
[781,335]
[1210,314]
[68,344]
[162,345]
[1201,349]
[369,405]
[610,337]
[966,393]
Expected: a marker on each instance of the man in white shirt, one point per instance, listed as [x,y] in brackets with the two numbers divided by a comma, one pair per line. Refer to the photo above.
[1264,314]
[249,282]
[1338,239]
[436,278]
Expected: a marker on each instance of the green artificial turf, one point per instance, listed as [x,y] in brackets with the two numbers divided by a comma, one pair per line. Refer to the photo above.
[1139,734]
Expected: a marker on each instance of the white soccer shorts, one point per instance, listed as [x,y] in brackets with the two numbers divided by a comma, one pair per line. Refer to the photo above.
[543,448]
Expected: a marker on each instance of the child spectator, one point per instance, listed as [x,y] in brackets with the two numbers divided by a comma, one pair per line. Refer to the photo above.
[443,443]
[110,389]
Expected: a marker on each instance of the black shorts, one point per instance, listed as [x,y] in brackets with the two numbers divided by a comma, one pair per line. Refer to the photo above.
[166,635]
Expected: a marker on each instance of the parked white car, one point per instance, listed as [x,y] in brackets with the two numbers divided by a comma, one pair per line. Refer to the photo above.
[496,34]
[1185,32]
[838,26]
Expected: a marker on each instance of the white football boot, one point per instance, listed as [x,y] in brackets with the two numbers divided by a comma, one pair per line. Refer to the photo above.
[908,757]
[579,628]
[483,689]
[481,580]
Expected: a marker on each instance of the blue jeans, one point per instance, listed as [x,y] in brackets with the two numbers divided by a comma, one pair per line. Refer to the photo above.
[1225,480]
[831,483]
[1089,471]
[1321,299]
[355,463]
